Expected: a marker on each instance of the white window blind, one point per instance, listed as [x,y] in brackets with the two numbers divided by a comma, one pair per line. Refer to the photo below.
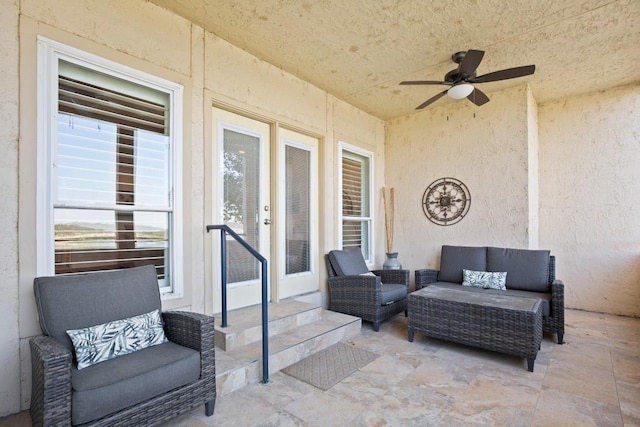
[297,209]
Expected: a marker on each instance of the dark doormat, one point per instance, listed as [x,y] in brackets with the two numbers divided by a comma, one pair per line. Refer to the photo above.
[328,367]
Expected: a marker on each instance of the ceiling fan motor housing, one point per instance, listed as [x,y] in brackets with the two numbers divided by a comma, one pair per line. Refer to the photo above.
[458,56]
[454,76]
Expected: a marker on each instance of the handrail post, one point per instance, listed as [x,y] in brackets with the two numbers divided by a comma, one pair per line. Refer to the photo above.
[223,261]
[265,322]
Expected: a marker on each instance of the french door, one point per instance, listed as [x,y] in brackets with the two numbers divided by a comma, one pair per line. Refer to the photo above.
[267,192]
[243,202]
[298,214]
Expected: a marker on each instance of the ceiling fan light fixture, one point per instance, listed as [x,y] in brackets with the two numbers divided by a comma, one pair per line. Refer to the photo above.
[460,91]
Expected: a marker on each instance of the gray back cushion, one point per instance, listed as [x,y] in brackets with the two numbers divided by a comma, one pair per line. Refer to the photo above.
[527,270]
[456,258]
[348,262]
[73,302]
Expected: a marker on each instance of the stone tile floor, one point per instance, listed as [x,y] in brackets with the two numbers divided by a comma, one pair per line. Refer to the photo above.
[591,380]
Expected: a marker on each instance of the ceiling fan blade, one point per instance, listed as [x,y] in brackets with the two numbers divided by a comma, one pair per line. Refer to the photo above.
[424,82]
[432,100]
[509,73]
[470,62]
[478,97]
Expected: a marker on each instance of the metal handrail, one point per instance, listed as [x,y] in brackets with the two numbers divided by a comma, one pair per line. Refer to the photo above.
[224,230]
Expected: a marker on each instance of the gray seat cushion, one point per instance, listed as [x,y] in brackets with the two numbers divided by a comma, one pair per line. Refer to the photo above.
[97,298]
[544,296]
[348,262]
[392,292]
[127,380]
[527,270]
[456,258]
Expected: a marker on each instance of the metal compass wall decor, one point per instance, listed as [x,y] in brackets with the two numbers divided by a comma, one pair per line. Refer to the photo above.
[446,201]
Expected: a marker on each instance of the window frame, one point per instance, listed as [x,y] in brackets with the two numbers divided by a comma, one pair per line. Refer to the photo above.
[50,53]
[369,220]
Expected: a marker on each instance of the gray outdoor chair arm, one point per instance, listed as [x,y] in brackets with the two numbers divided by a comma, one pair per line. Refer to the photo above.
[51,386]
[424,277]
[557,298]
[193,330]
[355,292]
[555,322]
[393,276]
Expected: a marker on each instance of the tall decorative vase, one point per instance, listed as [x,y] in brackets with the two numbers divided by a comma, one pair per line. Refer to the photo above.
[392,263]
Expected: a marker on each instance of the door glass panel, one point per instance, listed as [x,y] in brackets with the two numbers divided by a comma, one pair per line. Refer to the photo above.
[297,206]
[241,160]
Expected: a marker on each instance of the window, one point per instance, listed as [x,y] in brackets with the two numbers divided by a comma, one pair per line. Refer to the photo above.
[107,149]
[241,159]
[355,173]
[298,204]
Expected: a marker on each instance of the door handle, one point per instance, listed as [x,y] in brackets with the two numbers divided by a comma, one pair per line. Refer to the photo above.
[267,221]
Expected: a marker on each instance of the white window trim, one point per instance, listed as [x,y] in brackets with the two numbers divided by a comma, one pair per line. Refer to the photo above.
[343,146]
[49,53]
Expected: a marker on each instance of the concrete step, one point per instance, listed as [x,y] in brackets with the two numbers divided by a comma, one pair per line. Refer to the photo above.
[245,325]
[242,364]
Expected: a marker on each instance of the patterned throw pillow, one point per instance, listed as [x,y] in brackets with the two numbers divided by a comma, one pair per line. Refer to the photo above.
[485,279]
[103,342]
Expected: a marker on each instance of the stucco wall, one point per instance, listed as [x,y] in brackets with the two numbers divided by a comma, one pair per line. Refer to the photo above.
[590,197]
[534,171]
[146,37]
[487,148]
[9,355]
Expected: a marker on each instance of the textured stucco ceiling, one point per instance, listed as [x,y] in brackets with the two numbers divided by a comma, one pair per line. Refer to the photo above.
[359,50]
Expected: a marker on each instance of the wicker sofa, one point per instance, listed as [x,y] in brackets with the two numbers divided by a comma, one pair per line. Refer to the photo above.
[530,273]
[145,387]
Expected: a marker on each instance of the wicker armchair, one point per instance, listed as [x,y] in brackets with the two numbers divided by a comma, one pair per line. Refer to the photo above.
[374,296]
[146,387]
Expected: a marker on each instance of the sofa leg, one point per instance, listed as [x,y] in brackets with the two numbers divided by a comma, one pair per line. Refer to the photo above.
[208,407]
[560,338]
[410,335]
[376,326]
[530,362]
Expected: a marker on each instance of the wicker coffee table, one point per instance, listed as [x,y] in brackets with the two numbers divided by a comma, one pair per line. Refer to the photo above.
[506,324]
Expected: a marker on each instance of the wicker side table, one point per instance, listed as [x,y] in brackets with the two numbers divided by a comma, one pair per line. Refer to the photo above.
[506,324]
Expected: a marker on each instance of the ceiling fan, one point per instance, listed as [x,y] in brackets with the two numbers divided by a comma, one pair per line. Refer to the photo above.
[462,78]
